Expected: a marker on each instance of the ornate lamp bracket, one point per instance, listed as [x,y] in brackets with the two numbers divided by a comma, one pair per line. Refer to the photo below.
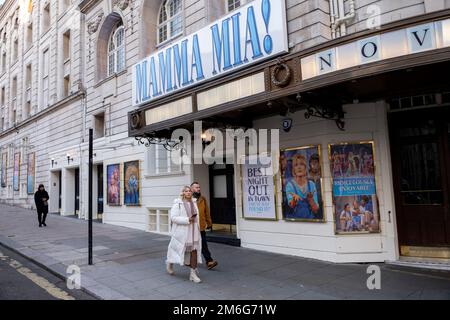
[168,144]
[327,113]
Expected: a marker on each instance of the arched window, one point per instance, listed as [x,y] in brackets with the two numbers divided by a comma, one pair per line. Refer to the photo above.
[116,50]
[170,20]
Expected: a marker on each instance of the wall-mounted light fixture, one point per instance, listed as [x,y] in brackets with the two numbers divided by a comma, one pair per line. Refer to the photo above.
[54,162]
[207,137]
[69,158]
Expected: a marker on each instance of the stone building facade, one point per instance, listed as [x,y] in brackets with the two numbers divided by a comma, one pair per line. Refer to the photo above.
[67,66]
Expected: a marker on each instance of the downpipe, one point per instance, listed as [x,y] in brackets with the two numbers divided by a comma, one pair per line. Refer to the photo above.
[338,17]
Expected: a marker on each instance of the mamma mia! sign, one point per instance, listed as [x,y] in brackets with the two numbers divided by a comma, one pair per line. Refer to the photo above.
[253,33]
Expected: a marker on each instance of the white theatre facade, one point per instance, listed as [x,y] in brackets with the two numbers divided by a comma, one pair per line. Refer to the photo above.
[325,74]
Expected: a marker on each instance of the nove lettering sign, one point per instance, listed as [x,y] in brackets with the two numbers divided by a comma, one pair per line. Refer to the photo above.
[245,36]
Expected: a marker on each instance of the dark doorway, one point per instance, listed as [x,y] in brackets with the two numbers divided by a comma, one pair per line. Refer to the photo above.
[221,181]
[223,204]
[420,147]
[77,191]
[100,191]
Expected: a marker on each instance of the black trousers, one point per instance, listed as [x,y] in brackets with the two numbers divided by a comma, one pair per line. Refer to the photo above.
[41,217]
[205,251]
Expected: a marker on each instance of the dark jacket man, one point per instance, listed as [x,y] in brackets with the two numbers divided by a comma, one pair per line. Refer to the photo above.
[41,200]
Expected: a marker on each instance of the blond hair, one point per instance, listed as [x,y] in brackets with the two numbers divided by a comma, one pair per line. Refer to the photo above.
[182,191]
[299,158]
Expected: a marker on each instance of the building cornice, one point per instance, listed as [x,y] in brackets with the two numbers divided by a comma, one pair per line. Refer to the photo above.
[87,5]
[73,97]
[396,25]
[294,58]
[5,8]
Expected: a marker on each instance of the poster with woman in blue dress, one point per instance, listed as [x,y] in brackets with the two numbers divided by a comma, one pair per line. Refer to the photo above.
[131,181]
[301,180]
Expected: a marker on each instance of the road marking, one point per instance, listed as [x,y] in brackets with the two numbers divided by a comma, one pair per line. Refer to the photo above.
[38,280]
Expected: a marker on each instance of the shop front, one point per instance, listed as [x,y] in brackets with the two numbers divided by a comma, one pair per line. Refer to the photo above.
[350,178]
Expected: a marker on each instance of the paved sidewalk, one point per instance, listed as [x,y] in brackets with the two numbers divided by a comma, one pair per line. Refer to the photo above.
[129,264]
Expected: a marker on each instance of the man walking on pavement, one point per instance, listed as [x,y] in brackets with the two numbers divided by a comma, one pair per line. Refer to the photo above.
[41,200]
[205,222]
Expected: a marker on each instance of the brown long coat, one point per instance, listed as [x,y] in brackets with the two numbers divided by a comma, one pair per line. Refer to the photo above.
[204,214]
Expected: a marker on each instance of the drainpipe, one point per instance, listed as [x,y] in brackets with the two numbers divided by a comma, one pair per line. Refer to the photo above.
[333,18]
[344,18]
[82,88]
[339,11]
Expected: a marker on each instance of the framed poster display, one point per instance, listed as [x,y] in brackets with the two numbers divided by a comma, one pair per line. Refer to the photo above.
[354,188]
[113,184]
[301,183]
[258,188]
[131,181]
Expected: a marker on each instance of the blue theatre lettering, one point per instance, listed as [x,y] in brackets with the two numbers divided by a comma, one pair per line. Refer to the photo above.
[265,11]
[251,36]
[196,60]
[153,80]
[221,44]
[141,81]
[236,40]
[181,65]
[165,70]
[227,44]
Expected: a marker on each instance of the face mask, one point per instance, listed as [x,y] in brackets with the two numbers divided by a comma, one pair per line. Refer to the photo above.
[196,194]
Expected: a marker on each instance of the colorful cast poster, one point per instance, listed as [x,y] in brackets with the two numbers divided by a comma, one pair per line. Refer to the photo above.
[258,188]
[4,172]
[30,173]
[113,184]
[301,181]
[16,172]
[354,190]
[131,182]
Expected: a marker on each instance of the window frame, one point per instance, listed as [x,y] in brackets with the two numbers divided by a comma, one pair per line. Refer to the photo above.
[241,4]
[15,50]
[67,36]
[167,22]
[114,52]
[45,77]
[153,162]
[46,18]
[29,36]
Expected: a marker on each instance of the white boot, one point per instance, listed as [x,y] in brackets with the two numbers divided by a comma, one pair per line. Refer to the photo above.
[169,268]
[194,277]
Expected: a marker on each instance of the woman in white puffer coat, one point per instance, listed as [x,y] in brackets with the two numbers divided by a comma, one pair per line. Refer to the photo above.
[185,246]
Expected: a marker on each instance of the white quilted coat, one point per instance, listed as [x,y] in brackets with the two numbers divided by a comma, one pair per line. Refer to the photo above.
[180,227]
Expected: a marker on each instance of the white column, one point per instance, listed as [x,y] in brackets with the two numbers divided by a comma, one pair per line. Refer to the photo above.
[68,192]
[387,214]
[54,191]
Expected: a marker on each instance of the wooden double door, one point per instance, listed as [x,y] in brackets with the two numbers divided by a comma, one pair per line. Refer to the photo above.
[420,149]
